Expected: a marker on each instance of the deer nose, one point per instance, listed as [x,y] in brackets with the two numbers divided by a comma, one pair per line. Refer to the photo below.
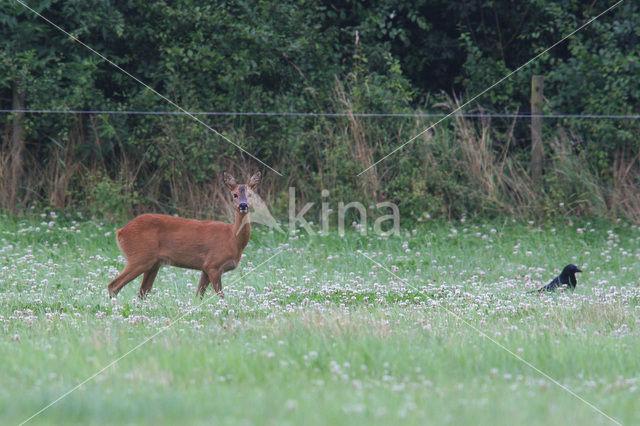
[243,207]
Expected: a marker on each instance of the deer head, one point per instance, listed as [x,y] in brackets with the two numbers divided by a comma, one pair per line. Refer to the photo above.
[242,193]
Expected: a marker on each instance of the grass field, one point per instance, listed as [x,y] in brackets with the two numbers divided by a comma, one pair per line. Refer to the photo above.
[320,334]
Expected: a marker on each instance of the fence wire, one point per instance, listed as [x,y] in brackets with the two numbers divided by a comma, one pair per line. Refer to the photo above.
[326,114]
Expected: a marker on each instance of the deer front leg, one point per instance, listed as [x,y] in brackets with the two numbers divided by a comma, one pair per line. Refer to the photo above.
[215,275]
[203,284]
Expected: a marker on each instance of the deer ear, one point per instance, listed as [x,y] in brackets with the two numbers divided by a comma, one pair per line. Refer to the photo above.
[255,181]
[229,181]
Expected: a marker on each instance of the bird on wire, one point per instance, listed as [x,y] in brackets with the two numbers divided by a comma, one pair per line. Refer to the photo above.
[567,277]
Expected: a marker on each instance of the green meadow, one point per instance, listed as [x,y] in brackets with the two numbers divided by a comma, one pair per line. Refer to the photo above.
[436,325]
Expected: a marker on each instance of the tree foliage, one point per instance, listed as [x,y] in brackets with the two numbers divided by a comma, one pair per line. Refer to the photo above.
[384,56]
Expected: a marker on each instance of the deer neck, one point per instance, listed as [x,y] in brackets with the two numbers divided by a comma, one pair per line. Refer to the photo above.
[241,229]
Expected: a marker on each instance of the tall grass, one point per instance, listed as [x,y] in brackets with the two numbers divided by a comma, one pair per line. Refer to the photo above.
[462,168]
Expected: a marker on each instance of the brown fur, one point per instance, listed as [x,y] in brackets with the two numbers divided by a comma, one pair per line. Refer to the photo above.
[151,240]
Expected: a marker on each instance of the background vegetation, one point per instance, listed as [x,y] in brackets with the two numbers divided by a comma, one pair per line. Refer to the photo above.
[383,56]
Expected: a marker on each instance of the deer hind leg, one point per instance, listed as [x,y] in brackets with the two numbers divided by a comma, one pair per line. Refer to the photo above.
[130,273]
[147,280]
[203,284]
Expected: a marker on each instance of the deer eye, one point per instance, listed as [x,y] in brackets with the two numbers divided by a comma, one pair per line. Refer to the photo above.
[235,195]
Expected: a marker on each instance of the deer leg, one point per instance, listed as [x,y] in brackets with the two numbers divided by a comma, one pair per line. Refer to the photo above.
[147,280]
[130,273]
[203,284]
[215,275]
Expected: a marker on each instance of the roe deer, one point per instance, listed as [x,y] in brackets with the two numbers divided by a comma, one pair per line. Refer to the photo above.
[213,247]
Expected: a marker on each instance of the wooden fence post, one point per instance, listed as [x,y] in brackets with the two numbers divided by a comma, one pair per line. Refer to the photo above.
[537,86]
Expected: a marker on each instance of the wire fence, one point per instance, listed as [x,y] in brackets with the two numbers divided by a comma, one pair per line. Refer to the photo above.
[325,114]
